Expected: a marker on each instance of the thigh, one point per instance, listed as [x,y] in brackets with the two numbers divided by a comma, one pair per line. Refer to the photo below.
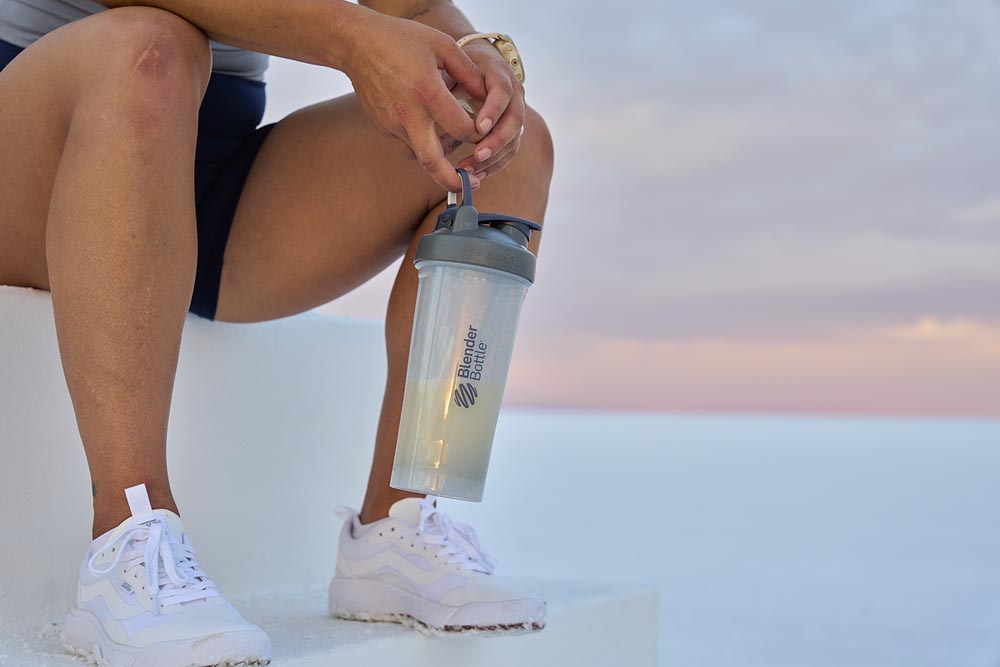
[80,63]
[328,203]
[33,127]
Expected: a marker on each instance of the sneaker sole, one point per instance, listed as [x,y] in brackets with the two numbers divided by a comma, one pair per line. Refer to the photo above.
[366,600]
[84,637]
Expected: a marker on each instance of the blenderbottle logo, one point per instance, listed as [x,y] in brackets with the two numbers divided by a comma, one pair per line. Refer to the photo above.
[471,365]
[466,394]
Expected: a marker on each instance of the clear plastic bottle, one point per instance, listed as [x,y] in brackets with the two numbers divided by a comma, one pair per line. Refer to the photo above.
[474,271]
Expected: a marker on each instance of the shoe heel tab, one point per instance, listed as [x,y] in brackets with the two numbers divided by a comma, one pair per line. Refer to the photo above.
[138,501]
[350,517]
[345,512]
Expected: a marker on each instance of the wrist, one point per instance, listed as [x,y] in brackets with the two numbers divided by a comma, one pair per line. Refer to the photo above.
[348,24]
[480,45]
[475,41]
[500,44]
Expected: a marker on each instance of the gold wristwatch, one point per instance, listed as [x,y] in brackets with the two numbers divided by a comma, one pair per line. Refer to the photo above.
[505,45]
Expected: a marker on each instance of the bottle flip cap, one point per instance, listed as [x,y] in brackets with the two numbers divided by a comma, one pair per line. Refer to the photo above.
[463,235]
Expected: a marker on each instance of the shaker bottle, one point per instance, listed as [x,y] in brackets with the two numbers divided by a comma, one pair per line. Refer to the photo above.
[474,271]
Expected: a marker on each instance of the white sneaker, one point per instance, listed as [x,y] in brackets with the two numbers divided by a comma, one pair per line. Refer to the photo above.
[128,614]
[425,570]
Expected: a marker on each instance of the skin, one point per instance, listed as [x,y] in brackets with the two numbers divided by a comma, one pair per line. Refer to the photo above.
[97,201]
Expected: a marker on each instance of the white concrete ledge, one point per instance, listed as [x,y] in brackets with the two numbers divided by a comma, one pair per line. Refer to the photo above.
[589,624]
[272,427]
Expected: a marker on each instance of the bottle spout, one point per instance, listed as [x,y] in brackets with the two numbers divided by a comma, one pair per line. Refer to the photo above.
[457,218]
[463,235]
[518,229]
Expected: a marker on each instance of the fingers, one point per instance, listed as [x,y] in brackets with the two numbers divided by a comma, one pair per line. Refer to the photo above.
[494,164]
[460,67]
[449,144]
[426,145]
[445,109]
[499,91]
[507,129]
[449,82]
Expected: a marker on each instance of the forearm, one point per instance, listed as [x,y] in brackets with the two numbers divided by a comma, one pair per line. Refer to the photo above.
[321,32]
[441,15]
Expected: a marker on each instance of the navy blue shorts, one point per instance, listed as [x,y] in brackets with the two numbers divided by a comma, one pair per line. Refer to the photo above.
[228,141]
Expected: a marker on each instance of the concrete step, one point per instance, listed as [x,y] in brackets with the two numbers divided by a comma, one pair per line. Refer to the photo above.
[272,427]
[589,624]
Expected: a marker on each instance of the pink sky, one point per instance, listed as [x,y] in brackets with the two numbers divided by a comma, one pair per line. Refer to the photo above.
[778,207]
[929,368]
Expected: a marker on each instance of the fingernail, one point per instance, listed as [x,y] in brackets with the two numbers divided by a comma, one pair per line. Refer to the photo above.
[483,154]
[474,182]
[485,125]
[480,175]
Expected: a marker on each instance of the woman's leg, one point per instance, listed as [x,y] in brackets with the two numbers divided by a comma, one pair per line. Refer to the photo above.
[97,205]
[328,203]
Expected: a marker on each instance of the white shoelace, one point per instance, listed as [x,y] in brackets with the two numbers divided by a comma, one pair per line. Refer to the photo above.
[164,557]
[456,540]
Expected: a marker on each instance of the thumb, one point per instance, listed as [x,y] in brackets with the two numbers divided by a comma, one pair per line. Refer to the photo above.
[460,67]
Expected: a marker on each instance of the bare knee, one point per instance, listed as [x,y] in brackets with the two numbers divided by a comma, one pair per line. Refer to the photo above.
[536,144]
[156,44]
[152,70]
[535,158]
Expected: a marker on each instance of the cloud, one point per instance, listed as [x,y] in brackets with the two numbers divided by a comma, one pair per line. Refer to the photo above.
[797,170]
[865,372]
[966,332]
[979,215]
[800,184]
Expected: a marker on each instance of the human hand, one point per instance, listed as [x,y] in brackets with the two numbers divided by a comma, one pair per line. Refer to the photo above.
[501,118]
[402,71]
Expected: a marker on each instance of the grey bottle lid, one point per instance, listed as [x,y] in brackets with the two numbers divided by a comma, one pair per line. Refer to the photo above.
[463,235]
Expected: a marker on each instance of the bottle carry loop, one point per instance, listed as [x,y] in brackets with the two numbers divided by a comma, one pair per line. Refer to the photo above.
[466,190]
[457,218]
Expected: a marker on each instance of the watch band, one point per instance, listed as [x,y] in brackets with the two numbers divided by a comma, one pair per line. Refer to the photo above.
[504,45]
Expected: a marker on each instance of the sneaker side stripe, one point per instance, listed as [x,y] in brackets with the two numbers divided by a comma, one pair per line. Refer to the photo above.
[435,591]
[98,606]
[105,589]
[396,561]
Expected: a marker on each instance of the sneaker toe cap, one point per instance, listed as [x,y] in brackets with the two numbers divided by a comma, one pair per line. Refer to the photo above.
[527,612]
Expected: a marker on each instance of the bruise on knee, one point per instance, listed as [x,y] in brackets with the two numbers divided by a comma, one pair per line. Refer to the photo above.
[152,61]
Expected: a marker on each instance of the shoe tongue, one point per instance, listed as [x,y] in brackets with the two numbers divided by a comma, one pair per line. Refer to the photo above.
[173,526]
[406,510]
[173,523]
